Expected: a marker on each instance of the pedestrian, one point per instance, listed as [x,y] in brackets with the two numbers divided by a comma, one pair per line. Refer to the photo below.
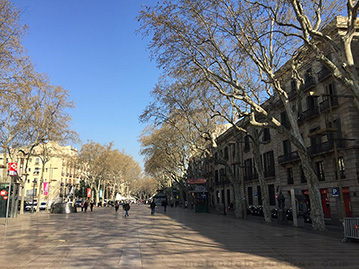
[164,204]
[82,206]
[91,205]
[117,205]
[85,206]
[126,207]
[153,207]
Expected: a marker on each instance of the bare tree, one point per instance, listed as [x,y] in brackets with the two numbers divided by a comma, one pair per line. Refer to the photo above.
[239,47]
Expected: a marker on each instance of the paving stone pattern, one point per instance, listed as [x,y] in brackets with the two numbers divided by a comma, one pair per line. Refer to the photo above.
[177,239]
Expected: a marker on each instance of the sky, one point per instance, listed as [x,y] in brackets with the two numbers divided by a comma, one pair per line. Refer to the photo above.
[90,48]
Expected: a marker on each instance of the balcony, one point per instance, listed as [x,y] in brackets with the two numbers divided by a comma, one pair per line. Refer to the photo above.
[269,174]
[248,177]
[324,73]
[292,94]
[308,84]
[325,147]
[221,183]
[323,106]
[289,157]
[309,113]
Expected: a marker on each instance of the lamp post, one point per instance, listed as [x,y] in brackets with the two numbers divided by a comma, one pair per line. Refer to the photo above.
[33,194]
[224,196]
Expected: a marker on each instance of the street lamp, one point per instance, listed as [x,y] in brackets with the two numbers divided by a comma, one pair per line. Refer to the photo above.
[34,182]
[224,196]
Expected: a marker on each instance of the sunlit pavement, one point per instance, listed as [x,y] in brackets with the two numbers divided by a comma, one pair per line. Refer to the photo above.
[177,239]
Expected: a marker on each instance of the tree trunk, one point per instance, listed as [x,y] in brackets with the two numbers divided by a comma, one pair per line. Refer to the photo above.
[262,182]
[238,202]
[316,208]
[22,203]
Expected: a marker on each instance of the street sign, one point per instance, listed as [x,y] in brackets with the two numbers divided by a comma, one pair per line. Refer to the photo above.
[4,197]
[3,192]
[12,167]
[335,192]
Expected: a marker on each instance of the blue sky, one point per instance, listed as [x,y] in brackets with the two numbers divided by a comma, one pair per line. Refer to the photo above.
[90,48]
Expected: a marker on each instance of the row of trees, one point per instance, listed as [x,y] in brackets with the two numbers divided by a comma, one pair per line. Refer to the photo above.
[34,112]
[226,58]
[106,168]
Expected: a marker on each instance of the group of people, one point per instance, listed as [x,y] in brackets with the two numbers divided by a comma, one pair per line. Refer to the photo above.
[125,205]
[85,204]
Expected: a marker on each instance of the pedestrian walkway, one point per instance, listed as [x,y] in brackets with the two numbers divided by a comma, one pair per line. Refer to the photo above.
[178,238]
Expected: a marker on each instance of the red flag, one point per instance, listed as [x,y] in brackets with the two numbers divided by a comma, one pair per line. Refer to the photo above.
[88,192]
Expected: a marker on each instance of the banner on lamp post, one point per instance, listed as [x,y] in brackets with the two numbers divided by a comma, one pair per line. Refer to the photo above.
[46,188]
[88,192]
[100,193]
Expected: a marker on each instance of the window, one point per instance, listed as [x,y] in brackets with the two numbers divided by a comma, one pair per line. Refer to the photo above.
[266,135]
[341,168]
[271,193]
[312,102]
[216,177]
[287,147]
[226,156]
[217,194]
[248,174]
[259,193]
[320,170]
[338,133]
[246,143]
[315,140]
[302,175]
[222,198]
[290,177]
[222,175]
[250,195]
[268,164]
[284,120]
[228,196]
[331,93]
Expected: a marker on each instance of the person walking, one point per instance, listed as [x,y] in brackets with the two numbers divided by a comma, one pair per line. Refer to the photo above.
[164,204]
[153,207]
[117,205]
[86,204]
[91,205]
[126,207]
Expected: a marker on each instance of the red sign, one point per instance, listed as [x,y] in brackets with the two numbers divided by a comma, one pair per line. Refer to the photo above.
[197,181]
[12,167]
[3,192]
[88,192]
[4,197]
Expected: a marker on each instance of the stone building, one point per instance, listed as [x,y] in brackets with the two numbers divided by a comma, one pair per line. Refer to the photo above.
[328,119]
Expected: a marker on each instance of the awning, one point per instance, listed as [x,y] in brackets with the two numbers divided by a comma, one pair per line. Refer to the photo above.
[197,181]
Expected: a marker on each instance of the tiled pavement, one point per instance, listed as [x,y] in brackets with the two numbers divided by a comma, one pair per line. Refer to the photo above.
[177,239]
